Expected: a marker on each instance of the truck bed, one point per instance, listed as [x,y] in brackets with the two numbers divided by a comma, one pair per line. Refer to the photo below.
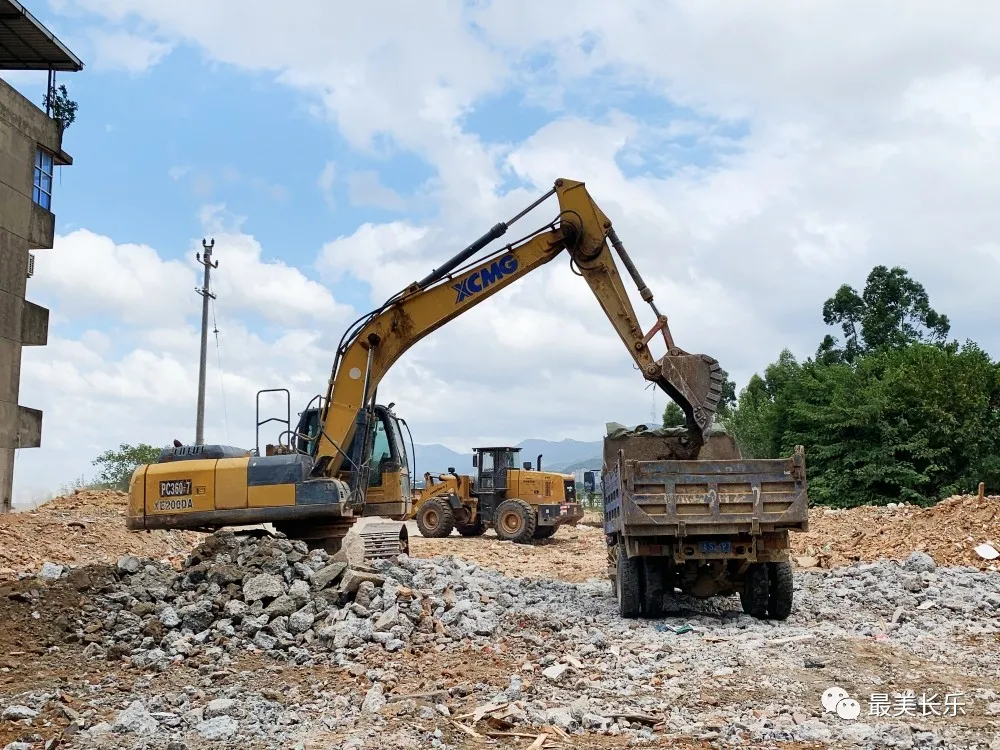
[682,498]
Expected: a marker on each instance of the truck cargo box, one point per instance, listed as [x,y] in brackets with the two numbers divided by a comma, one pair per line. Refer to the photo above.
[706,497]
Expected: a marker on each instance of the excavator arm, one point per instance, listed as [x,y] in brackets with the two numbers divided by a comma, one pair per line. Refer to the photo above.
[376,341]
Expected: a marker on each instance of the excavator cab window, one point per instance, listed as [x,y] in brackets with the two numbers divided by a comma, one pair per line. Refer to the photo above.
[308,426]
[381,454]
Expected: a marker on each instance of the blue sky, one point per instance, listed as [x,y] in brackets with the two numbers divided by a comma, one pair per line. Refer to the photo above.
[338,153]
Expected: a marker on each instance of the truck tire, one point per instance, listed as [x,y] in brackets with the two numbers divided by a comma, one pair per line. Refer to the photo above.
[435,519]
[515,521]
[652,588]
[755,591]
[544,532]
[471,529]
[780,590]
[628,586]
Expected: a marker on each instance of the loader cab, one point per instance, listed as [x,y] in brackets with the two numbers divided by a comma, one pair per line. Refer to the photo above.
[492,465]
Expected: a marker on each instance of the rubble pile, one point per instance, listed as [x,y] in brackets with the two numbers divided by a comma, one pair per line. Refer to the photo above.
[275,596]
[570,664]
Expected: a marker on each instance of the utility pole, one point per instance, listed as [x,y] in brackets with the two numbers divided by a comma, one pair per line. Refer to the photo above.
[205,292]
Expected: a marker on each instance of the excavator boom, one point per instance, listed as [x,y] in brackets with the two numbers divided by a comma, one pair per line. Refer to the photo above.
[693,381]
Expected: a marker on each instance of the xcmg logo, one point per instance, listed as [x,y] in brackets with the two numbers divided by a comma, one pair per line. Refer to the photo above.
[483,278]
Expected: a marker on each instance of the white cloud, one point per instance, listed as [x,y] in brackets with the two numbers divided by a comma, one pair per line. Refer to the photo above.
[119,50]
[325,182]
[866,136]
[366,189]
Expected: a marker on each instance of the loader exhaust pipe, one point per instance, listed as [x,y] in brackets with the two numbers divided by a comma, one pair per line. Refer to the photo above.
[539,462]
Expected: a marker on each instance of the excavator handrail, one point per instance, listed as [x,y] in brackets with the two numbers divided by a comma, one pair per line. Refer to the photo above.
[373,342]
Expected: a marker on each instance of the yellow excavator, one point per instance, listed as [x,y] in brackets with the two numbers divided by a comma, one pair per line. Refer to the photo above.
[346,457]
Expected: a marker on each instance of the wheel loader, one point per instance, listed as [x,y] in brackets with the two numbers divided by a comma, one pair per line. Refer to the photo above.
[519,504]
[345,458]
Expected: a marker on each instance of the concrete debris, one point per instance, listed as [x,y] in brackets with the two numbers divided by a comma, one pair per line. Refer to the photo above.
[263,643]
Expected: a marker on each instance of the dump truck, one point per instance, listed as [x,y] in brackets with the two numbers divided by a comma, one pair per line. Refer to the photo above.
[687,512]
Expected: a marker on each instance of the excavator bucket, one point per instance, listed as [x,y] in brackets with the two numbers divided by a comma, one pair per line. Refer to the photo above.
[694,382]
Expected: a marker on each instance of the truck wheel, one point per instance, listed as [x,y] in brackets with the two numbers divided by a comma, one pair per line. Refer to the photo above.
[754,594]
[628,586]
[435,519]
[515,521]
[652,588]
[544,532]
[471,529]
[780,589]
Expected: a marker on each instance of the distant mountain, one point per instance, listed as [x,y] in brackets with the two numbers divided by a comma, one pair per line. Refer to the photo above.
[556,456]
[560,453]
[438,458]
[589,465]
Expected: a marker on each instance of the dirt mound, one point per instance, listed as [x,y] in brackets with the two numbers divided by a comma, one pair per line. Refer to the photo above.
[949,532]
[79,529]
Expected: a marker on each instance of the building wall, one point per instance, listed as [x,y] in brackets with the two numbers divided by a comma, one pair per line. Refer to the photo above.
[24,226]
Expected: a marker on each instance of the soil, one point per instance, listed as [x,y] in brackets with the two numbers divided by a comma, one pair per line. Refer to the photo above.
[949,532]
[80,529]
[571,554]
[87,529]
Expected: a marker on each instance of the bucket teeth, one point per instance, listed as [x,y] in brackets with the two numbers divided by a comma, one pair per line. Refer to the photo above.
[694,382]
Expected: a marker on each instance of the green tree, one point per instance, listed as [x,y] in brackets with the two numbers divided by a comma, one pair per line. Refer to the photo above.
[755,421]
[673,415]
[116,467]
[913,424]
[62,107]
[728,400]
[892,312]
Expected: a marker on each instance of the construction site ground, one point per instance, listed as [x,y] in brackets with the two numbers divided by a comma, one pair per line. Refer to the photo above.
[871,618]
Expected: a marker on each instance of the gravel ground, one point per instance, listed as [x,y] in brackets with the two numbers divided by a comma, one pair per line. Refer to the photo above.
[261,644]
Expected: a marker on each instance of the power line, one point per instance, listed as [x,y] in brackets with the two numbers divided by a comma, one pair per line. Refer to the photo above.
[222,385]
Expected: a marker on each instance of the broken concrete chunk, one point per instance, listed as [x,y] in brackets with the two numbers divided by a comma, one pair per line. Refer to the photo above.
[327,575]
[263,586]
[353,579]
[555,672]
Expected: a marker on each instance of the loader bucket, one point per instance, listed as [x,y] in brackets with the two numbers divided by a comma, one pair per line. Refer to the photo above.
[694,381]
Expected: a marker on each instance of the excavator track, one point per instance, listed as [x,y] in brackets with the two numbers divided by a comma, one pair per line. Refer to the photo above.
[383,539]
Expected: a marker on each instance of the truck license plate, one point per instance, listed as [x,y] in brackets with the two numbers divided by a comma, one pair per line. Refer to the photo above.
[723,547]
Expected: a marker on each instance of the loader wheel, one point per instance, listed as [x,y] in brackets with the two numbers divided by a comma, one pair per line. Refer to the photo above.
[780,589]
[754,594]
[515,521]
[435,519]
[628,585]
[544,532]
[652,587]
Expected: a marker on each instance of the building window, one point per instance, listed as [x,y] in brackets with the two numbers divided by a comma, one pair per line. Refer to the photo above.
[42,192]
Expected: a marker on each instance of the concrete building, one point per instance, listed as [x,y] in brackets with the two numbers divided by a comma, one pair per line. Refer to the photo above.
[30,150]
